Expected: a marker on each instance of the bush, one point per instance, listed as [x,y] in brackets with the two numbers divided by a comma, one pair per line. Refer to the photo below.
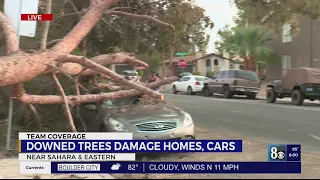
[211,74]
[196,73]
[141,72]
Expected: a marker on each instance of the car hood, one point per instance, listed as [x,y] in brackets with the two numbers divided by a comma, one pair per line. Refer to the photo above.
[142,113]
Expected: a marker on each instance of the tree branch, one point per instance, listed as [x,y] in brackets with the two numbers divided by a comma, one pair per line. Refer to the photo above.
[12,42]
[65,101]
[139,17]
[107,23]
[53,42]
[69,77]
[85,25]
[78,107]
[54,99]
[117,58]
[117,8]
[101,69]
[105,86]
[36,115]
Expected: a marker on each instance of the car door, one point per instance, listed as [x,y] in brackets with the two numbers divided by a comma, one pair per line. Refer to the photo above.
[213,82]
[184,84]
[220,81]
[179,84]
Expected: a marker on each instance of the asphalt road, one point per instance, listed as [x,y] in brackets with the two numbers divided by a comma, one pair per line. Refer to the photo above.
[270,123]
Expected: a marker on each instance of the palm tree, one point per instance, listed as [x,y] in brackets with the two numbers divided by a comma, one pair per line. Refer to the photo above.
[250,42]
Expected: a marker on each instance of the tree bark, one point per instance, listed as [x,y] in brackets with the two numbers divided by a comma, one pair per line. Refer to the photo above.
[249,64]
[170,63]
[12,43]
[22,67]
[54,99]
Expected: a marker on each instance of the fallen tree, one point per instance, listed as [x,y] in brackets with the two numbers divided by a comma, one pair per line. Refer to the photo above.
[19,67]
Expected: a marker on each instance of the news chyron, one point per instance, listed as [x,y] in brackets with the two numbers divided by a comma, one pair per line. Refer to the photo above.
[72,153]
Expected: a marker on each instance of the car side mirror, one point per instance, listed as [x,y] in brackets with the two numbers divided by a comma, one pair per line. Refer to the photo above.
[91,107]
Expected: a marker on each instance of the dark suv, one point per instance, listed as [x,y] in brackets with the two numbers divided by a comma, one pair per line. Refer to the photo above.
[233,82]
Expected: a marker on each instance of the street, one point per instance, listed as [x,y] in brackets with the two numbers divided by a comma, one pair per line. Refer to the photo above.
[255,119]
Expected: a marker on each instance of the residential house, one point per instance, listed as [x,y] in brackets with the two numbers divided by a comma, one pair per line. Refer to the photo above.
[202,64]
[301,50]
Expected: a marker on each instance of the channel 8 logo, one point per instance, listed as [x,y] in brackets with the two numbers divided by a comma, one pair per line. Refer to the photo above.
[277,152]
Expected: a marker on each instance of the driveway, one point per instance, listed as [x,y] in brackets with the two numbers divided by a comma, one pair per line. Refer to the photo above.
[255,119]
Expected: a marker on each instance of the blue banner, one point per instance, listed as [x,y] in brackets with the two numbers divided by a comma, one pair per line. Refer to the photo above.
[177,167]
[129,146]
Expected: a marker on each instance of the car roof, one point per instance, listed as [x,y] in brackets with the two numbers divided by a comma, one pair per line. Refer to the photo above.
[195,76]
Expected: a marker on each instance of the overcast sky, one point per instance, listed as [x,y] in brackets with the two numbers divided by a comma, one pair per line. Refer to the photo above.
[221,13]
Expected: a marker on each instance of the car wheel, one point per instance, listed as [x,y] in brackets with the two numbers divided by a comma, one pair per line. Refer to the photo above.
[207,92]
[227,93]
[174,90]
[189,91]
[251,96]
[297,97]
[271,96]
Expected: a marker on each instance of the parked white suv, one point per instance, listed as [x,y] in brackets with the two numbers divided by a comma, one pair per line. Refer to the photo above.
[190,84]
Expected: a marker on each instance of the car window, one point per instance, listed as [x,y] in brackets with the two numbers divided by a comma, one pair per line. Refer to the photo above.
[187,79]
[200,78]
[231,74]
[217,75]
[116,103]
[248,75]
[184,79]
[223,74]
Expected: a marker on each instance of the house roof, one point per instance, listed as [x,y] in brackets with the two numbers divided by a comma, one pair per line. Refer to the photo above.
[193,58]
[177,59]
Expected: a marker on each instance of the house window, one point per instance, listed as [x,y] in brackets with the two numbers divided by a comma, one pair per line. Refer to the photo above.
[286,33]
[285,63]
[216,65]
[216,62]
[208,65]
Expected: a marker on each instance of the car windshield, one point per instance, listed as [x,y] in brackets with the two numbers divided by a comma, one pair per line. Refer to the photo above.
[116,103]
[200,78]
[248,75]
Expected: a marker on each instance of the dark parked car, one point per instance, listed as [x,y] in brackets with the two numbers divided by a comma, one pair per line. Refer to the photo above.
[297,83]
[153,121]
[233,82]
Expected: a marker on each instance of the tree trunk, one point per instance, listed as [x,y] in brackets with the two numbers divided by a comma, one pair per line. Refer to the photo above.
[19,67]
[171,63]
[23,67]
[249,64]
[163,66]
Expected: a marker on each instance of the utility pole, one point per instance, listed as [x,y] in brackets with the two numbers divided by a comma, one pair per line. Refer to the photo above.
[10,108]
